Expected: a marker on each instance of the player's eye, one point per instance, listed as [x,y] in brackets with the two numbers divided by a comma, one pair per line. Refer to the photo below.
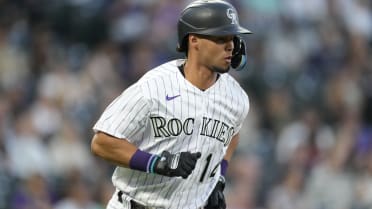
[223,39]
[218,39]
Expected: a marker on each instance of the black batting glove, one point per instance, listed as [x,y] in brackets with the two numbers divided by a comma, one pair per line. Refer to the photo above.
[179,164]
[217,200]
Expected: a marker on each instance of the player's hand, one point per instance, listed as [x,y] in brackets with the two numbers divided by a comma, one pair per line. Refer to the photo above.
[217,200]
[179,164]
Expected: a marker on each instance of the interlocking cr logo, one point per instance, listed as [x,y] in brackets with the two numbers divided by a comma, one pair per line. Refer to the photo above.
[232,15]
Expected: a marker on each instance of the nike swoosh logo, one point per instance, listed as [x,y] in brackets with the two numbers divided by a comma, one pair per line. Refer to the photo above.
[168,98]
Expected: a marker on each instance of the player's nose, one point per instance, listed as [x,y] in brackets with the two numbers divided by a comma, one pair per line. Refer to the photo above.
[229,46]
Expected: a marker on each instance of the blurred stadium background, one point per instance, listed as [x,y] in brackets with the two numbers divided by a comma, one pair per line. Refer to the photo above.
[307,142]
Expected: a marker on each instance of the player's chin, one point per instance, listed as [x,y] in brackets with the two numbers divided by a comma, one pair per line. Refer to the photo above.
[221,69]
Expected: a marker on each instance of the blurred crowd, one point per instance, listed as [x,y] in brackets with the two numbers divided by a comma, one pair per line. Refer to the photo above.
[307,140]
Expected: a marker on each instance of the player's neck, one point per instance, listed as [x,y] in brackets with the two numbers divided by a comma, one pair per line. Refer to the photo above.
[199,76]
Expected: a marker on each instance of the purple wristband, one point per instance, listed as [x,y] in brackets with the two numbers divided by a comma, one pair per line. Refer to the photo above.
[224,164]
[141,161]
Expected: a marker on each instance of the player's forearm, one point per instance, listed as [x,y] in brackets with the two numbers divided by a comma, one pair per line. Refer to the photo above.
[112,149]
[232,146]
[125,154]
[229,152]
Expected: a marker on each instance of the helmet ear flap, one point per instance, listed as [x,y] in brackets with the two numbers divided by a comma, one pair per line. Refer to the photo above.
[239,59]
[182,47]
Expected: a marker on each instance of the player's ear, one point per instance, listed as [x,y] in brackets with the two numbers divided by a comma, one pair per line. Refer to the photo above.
[193,41]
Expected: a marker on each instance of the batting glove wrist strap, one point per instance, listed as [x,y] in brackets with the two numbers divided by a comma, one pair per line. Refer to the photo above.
[179,164]
[143,161]
[224,165]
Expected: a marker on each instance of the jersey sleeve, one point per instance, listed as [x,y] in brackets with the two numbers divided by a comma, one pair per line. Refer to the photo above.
[126,115]
[245,109]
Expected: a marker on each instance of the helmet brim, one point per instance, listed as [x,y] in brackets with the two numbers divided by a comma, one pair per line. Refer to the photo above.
[224,31]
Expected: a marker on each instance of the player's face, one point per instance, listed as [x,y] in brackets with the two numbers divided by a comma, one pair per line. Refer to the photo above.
[216,52]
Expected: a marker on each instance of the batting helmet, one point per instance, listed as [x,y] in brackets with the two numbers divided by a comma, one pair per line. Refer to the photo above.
[208,17]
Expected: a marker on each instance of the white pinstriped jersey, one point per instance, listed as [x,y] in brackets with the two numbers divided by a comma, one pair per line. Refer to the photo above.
[164,111]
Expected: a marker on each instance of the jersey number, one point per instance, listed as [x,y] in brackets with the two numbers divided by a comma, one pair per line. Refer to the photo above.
[206,168]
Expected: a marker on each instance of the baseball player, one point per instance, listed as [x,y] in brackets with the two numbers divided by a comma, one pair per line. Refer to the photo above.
[172,133]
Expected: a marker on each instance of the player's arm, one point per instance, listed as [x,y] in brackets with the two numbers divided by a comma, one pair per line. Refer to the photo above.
[232,146]
[217,200]
[112,149]
[123,153]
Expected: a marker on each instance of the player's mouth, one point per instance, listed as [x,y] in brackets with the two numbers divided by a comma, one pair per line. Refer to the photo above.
[228,59]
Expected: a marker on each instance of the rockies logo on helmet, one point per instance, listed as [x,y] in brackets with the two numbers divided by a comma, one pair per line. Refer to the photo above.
[231,14]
